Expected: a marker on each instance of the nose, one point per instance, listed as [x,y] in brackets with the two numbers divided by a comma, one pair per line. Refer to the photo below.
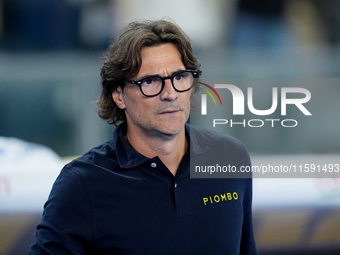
[168,93]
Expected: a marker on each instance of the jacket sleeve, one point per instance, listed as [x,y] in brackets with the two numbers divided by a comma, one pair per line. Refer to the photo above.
[66,225]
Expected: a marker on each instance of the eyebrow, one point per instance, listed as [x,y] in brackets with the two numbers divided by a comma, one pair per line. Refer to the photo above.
[152,75]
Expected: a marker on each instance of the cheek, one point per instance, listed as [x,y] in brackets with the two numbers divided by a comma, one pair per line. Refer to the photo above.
[130,98]
[136,105]
[187,100]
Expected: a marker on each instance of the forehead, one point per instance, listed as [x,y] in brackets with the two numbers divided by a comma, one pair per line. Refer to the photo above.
[160,60]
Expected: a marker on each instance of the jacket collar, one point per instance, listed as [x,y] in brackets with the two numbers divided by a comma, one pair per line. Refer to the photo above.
[128,157]
[198,144]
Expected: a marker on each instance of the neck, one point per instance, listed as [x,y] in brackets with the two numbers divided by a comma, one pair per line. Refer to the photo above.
[170,149]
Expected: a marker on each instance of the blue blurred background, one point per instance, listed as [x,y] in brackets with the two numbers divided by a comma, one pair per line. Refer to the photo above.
[50,55]
[50,59]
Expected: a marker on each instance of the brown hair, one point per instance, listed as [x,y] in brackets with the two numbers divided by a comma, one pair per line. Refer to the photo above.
[123,59]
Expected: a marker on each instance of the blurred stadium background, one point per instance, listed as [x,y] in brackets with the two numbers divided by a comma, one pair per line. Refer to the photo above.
[50,58]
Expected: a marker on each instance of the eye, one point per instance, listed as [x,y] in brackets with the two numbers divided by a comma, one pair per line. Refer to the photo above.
[151,81]
[181,75]
[147,81]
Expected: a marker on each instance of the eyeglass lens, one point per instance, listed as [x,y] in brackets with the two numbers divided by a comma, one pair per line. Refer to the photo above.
[182,81]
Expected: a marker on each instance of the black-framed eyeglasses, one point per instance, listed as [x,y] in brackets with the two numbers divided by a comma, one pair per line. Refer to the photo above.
[181,81]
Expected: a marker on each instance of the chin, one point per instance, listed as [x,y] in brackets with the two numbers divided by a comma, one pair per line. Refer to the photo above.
[169,131]
[171,127]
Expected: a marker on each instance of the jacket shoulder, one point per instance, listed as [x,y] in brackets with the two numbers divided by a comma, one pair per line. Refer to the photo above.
[213,139]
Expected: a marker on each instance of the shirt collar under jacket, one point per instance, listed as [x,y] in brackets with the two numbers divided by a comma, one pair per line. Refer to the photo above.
[128,157]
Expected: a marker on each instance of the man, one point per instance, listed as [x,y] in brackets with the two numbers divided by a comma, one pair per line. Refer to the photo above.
[133,194]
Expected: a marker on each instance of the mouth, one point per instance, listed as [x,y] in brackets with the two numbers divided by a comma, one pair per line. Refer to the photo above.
[169,111]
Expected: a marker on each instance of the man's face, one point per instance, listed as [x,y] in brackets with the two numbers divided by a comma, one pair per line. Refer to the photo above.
[164,114]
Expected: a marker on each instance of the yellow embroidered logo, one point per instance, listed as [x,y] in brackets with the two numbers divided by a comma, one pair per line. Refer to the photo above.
[220,198]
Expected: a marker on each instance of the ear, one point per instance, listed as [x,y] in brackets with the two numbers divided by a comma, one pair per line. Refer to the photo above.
[118,97]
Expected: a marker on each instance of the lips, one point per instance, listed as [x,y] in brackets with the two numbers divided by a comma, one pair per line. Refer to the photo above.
[170,108]
[169,111]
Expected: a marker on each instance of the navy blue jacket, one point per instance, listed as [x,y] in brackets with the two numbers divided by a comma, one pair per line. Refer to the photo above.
[113,200]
